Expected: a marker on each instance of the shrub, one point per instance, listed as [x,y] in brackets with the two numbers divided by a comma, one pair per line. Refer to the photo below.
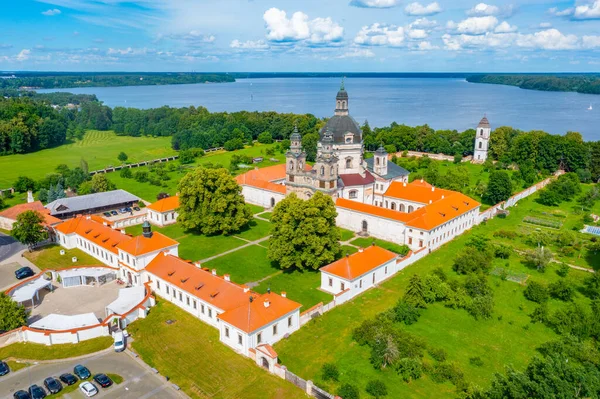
[476,361]
[443,372]
[406,313]
[409,369]
[438,354]
[126,173]
[376,388]
[502,251]
[265,138]
[330,372]
[349,391]
[536,292]
[470,261]
[505,234]
[234,144]
[561,290]
[481,307]
[141,176]
[186,157]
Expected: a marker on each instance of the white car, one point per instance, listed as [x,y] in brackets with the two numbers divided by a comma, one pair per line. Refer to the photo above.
[88,389]
[119,341]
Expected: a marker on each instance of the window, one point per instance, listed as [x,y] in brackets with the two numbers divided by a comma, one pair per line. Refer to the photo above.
[209,313]
[480,144]
[353,194]
[349,163]
[377,160]
[342,286]
[202,308]
[360,283]
[157,285]
[420,243]
[259,338]
[174,293]
[239,339]
[290,321]
[393,206]
[187,300]
[291,165]
[275,329]
[195,304]
[322,171]
[180,297]
[167,289]
[481,132]
[410,208]
[128,259]
[386,270]
[330,282]
[409,240]
[227,332]
[401,208]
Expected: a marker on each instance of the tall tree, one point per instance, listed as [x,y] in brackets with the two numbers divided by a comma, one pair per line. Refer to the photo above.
[499,187]
[304,233]
[28,228]
[12,314]
[211,202]
[122,157]
[100,183]
[415,294]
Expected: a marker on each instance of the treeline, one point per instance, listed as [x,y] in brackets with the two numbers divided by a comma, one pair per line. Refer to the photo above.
[589,84]
[67,80]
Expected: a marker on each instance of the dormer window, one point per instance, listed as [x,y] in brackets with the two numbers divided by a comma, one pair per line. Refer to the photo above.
[349,138]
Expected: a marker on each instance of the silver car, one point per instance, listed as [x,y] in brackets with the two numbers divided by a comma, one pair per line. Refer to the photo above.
[88,389]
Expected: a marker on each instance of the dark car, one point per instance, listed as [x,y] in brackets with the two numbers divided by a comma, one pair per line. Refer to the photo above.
[68,378]
[103,380]
[4,368]
[82,372]
[114,213]
[52,385]
[37,392]
[24,272]
[107,214]
[136,208]
[21,394]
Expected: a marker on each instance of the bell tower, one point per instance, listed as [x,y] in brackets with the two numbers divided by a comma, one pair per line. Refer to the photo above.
[380,164]
[482,141]
[341,101]
[295,157]
[326,166]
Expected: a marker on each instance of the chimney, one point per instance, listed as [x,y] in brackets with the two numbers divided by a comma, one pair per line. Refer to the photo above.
[122,231]
[267,303]
[403,184]
[29,196]
[226,277]
[421,180]
[214,272]
[360,249]
[430,201]
[269,290]
[442,196]
[246,289]
[251,299]
[284,294]
[104,223]
[432,188]
[87,217]
[165,253]
[197,264]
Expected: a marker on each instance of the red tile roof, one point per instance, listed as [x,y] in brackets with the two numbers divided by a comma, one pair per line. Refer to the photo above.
[141,245]
[356,179]
[98,233]
[14,211]
[165,205]
[372,210]
[417,191]
[353,266]
[263,178]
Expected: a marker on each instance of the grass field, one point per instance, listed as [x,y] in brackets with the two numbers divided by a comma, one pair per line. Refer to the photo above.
[508,338]
[28,351]
[189,352]
[50,258]
[300,286]
[245,265]
[99,149]
[364,242]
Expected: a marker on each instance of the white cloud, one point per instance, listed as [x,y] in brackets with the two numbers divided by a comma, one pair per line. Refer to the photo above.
[561,13]
[426,46]
[317,31]
[423,23]
[474,25]
[545,25]
[417,9]
[550,39]
[23,55]
[249,45]
[417,34]
[380,35]
[375,3]
[483,9]
[590,42]
[588,11]
[505,27]
[51,12]
[489,40]
[358,53]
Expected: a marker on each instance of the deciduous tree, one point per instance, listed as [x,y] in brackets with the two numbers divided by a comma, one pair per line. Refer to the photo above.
[28,228]
[499,187]
[12,314]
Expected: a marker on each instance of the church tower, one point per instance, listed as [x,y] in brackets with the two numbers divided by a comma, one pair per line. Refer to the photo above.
[380,165]
[326,166]
[482,141]
[341,101]
[295,157]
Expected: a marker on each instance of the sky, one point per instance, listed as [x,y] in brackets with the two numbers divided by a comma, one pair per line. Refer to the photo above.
[300,35]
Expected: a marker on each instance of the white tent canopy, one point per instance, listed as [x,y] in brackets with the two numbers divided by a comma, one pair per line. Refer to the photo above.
[28,291]
[75,277]
[127,299]
[61,322]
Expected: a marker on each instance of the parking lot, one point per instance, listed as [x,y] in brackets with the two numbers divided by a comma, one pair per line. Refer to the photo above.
[7,274]
[138,381]
[122,213]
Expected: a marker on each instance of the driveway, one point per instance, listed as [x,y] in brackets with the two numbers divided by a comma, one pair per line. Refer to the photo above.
[7,274]
[9,246]
[138,381]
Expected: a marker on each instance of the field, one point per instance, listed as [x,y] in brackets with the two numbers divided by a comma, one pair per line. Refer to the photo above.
[189,352]
[99,149]
[50,258]
[508,338]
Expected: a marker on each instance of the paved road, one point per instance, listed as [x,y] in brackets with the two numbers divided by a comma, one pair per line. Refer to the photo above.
[9,246]
[138,381]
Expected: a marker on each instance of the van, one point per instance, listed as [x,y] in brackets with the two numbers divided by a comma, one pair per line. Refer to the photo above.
[119,341]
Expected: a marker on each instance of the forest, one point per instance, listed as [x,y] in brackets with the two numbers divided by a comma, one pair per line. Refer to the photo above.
[588,83]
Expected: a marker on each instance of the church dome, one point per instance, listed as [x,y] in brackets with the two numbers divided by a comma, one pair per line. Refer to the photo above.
[339,125]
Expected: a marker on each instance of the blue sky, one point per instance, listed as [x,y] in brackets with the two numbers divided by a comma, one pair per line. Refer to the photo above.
[300,35]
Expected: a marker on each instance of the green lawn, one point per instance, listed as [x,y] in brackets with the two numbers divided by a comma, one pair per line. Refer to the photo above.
[28,351]
[50,258]
[348,250]
[245,265]
[189,352]
[266,215]
[255,230]
[364,242]
[508,338]
[16,366]
[300,286]
[99,149]
[256,209]
[346,234]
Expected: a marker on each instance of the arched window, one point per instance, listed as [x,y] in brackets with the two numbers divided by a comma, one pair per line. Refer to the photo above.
[377,161]
[480,144]
[344,104]
[393,206]
[353,194]
[365,226]
[410,208]
[402,208]
[338,104]
[348,163]
[291,165]
[322,171]
[272,202]
[299,165]
[481,132]
[332,171]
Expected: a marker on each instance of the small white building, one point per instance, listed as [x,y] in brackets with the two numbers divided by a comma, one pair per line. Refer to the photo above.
[358,272]
[164,211]
[482,141]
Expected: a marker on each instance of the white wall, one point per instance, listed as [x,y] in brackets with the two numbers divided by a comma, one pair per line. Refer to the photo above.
[105,256]
[260,197]
[162,219]
[385,229]
[360,284]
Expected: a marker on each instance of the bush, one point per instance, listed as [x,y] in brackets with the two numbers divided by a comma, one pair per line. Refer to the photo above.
[470,261]
[349,391]
[505,234]
[476,361]
[437,354]
[406,313]
[234,144]
[330,372]
[141,176]
[536,292]
[186,157]
[443,372]
[481,307]
[502,251]
[409,369]
[126,173]
[265,138]
[540,314]
[377,389]
[561,290]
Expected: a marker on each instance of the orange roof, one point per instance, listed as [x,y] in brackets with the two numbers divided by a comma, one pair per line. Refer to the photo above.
[373,210]
[435,214]
[263,178]
[417,191]
[98,233]
[165,205]
[353,266]
[202,284]
[14,211]
[141,245]
[261,311]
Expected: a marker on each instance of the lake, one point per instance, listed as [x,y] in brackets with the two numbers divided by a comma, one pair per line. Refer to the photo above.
[442,103]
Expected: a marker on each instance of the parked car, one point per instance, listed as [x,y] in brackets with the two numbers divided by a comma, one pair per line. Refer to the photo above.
[119,341]
[21,394]
[114,213]
[136,208]
[107,214]
[24,272]
[103,380]
[52,385]
[37,392]
[4,369]
[128,209]
[68,378]
[82,372]
[123,210]
[88,389]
